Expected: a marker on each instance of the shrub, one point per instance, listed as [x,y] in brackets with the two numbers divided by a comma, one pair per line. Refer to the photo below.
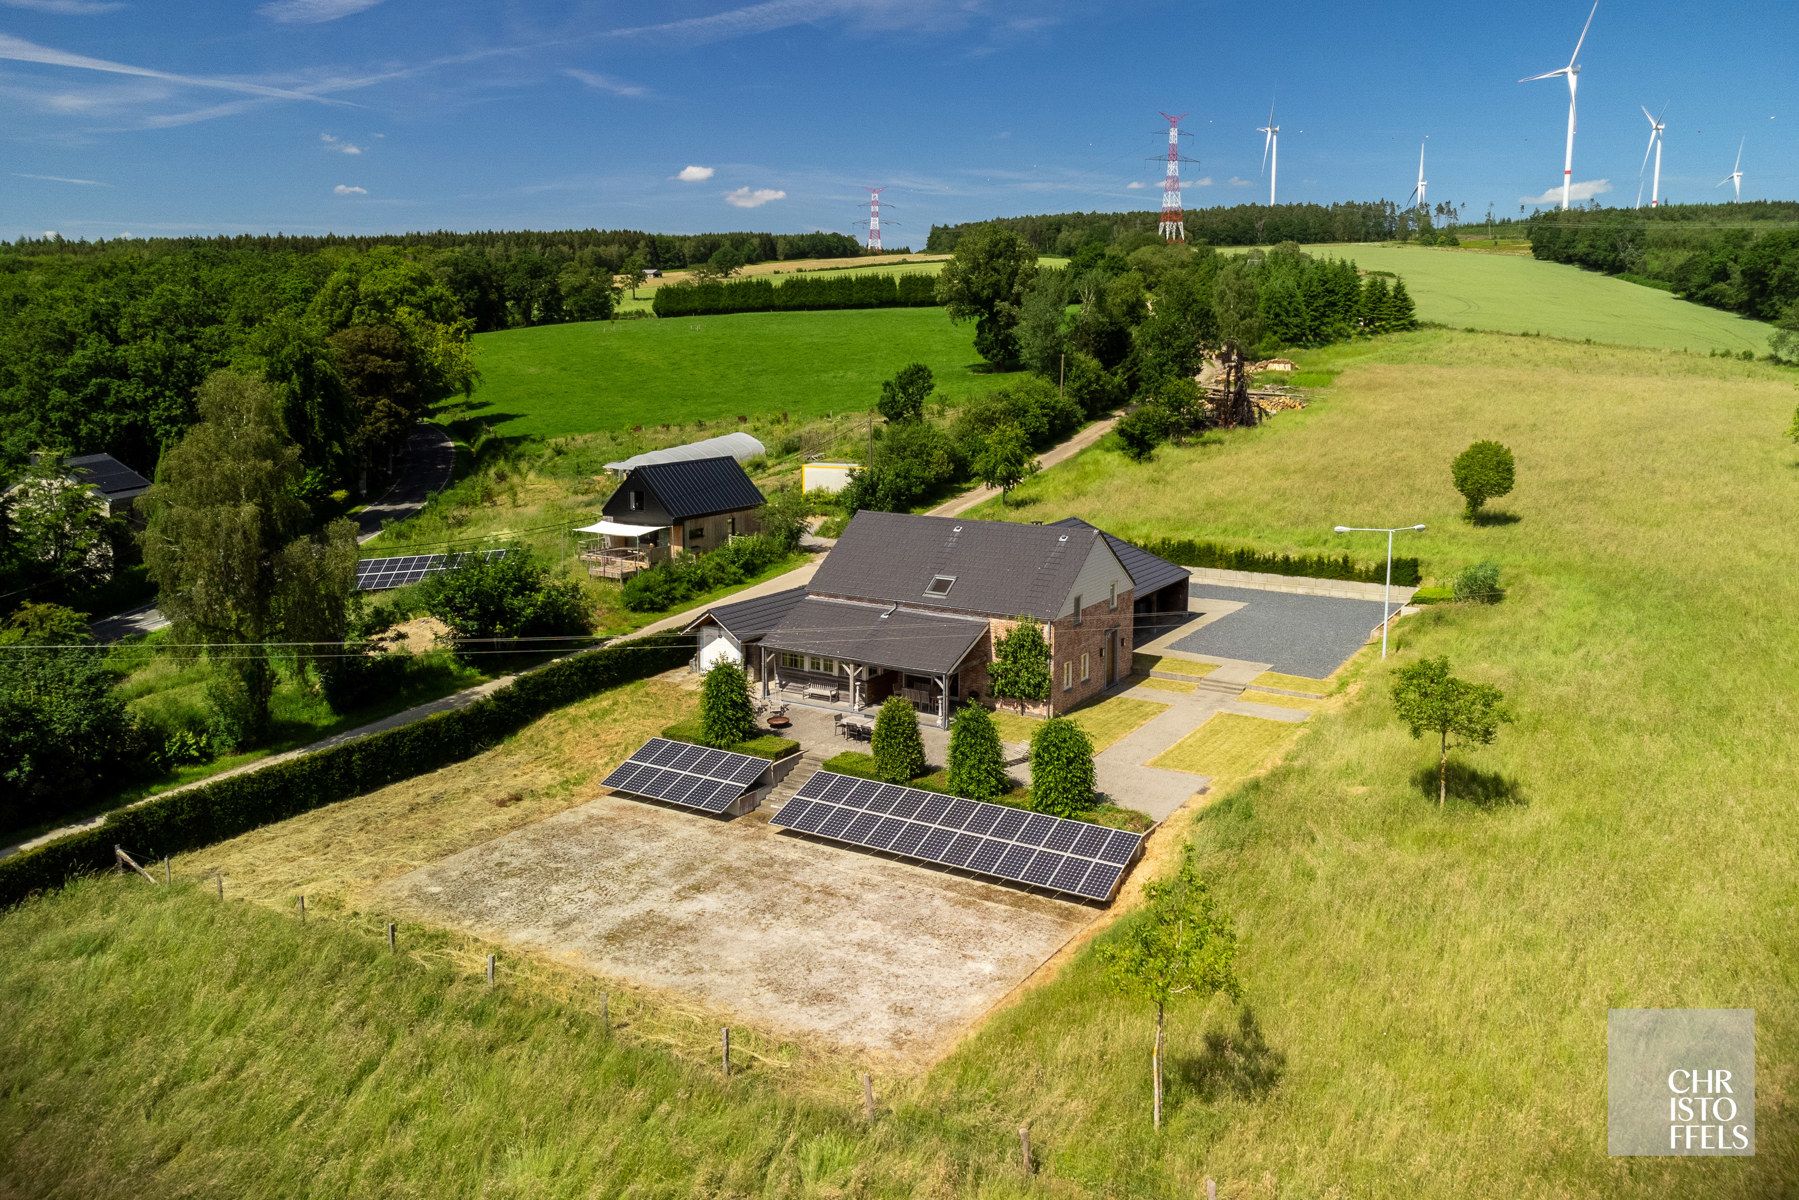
[1407,572]
[898,749]
[229,806]
[1061,768]
[503,596]
[64,733]
[977,765]
[679,579]
[1479,584]
[1141,430]
[726,717]
[350,681]
[1482,472]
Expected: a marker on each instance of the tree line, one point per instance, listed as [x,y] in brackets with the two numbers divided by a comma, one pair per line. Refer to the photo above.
[1740,257]
[1065,234]
[855,289]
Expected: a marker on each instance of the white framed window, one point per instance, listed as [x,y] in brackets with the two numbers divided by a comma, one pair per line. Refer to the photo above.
[1068,676]
[940,586]
[696,533]
[1085,673]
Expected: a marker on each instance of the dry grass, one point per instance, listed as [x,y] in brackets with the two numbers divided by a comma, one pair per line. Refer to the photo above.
[1143,664]
[1182,686]
[1279,700]
[334,854]
[1104,722]
[1228,747]
[1293,683]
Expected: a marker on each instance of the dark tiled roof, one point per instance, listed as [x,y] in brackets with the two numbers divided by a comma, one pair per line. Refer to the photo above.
[903,639]
[107,475]
[697,487]
[1001,569]
[1148,573]
[747,620]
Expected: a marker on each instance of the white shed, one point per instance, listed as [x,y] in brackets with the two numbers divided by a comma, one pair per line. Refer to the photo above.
[827,477]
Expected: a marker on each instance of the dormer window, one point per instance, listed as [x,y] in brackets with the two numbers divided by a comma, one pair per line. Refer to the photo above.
[940,586]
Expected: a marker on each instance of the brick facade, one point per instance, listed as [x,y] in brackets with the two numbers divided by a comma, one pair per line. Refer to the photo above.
[1068,641]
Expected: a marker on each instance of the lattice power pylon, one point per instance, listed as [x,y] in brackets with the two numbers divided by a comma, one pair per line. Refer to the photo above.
[874,217]
[1173,228]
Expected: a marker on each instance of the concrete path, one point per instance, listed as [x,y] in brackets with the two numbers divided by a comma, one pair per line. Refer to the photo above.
[430,458]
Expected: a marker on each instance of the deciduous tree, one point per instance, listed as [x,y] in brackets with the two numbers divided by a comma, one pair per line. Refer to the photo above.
[985,283]
[1020,667]
[1484,471]
[1177,944]
[1005,460]
[1429,699]
[903,397]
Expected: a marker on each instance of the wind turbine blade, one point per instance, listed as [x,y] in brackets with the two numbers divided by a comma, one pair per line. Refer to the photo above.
[1572,58]
[1647,117]
[1544,75]
[1266,142]
[1646,150]
[1739,162]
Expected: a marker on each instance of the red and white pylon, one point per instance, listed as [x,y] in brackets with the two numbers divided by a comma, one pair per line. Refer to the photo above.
[874,217]
[1173,228]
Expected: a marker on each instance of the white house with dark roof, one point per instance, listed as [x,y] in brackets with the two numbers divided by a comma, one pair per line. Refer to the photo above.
[911,605]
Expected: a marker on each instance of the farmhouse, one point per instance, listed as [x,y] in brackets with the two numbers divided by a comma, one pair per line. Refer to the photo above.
[911,605]
[663,509]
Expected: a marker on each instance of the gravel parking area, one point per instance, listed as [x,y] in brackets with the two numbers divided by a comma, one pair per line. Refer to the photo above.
[1296,634]
[792,936]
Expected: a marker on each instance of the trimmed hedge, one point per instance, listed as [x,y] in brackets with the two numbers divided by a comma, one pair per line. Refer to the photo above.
[857,290]
[227,807]
[1407,572]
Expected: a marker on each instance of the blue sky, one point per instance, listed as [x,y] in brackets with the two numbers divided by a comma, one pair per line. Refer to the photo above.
[180,116]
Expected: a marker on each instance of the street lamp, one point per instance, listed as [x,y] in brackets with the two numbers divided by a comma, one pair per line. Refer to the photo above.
[1387,596]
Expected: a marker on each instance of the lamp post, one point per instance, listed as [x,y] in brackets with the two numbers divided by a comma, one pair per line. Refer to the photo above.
[1386,606]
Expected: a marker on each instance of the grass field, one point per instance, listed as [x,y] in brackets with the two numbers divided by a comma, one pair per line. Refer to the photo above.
[1145,663]
[1281,700]
[1227,746]
[1512,293]
[1293,683]
[561,379]
[1425,991]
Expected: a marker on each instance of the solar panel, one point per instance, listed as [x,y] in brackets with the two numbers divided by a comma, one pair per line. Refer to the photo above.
[696,777]
[1077,858]
[381,574]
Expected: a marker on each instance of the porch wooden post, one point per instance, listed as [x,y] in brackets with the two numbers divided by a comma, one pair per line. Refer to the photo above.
[764,652]
[943,701]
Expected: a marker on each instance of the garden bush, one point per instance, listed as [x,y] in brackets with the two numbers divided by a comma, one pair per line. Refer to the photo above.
[1189,553]
[977,764]
[678,580]
[1479,584]
[1061,768]
[898,749]
[503,596]
[726,717]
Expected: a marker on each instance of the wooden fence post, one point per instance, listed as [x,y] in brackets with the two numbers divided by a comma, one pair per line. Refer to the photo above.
[390,937]
[168,874]
[725,1035]
[1024,1147]
[221,878]
[868,1097]
[490,970]
[606,1011]
[302,908]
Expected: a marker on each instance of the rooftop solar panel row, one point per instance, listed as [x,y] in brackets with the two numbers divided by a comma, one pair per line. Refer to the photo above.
[1074,857]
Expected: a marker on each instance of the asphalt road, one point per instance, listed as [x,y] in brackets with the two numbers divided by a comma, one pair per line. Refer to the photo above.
[430,457]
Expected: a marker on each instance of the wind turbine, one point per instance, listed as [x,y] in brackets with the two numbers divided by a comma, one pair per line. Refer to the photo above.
[1655,144]
[1735,178]
[1271,151]
[1572,73]
[1422,184]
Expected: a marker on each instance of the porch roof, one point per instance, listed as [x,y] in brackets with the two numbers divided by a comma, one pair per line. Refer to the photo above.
[619,528]
[879,635]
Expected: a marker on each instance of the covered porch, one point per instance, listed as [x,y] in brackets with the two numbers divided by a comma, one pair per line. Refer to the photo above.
[617,550]
[850,657]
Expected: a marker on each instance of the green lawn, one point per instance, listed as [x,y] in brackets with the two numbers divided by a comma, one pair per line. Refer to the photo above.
[1227,746]
[561,379]
[1510,293]
[1104,721]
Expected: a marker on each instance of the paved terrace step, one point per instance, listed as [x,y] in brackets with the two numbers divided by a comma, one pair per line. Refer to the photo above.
[1204,683]
[809,765]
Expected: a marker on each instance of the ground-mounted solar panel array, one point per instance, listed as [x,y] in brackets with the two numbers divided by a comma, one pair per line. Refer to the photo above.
[380,574]
[692,776]
[1077,858]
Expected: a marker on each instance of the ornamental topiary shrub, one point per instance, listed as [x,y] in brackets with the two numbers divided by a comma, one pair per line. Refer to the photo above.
[726,717]
[1061,768]
[977,765]
[898,748]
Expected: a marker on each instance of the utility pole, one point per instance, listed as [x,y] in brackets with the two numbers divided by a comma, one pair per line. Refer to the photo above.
[1172,228]
[874,218]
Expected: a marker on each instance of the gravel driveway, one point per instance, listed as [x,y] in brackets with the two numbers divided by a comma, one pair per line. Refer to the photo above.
[1298,634]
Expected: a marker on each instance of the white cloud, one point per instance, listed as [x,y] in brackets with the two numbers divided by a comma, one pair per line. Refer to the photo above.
[691,174]
[66,8]
[20,50]
[1237,182]
[339,145]
[1202,181]
[865,17]
[313,12]
[753,198]
[1135,184]
[347,189]
[1584,190]
[62,179]
[605,83]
